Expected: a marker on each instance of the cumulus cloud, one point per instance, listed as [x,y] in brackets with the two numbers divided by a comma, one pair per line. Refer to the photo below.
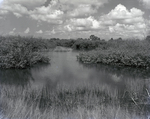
[134,20]
[121,12]
[124,22]
[47,14]
[146,3]
[78,15]
[77,8]
[82,24]
[39,32]
[55,13]
[27,30]
[47,11]
[82,10]
[128,30]
[14,8]
[42,13]
[120,20]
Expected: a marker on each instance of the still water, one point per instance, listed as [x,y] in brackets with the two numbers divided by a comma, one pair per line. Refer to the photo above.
[66,70]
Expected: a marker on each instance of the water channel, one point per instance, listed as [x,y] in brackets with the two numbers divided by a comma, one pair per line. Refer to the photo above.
[66,70]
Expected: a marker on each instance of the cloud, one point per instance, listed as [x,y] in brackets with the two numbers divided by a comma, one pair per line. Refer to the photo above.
[12,32]
[47,14]
[146,3]
[14,8]
[126,30]
[80,16]
[82,10]
[121,12]
[77,2]
[27,30]
[82,24]
[25,2]
[119,21]
[39,32]
[134,20]
[51,32]
[125,23]
[17,14]
[42,13]
[77,8]
[3,12]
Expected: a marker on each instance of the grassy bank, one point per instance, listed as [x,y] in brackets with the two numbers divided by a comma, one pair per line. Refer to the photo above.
[124,53]
[86,101]
[22,52]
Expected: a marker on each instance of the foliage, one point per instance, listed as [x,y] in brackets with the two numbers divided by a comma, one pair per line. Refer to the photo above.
[85,45]
[93,37]
[125,53]
[65,42]
[86,100]
[148,38]
[21,52]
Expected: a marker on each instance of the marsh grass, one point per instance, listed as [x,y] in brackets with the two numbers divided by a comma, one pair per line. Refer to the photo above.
[78,102]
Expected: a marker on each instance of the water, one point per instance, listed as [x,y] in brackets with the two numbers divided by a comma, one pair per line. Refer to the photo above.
[66,70]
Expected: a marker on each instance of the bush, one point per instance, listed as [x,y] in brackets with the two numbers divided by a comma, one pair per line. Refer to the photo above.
[128,53]
[21,52]
[85,45]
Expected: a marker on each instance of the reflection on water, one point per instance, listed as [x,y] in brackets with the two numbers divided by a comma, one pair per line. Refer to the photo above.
[127,72]
[15,77]
[129,83]
[65,68]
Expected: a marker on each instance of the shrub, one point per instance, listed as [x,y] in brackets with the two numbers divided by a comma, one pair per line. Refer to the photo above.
[21,52]
[127,53]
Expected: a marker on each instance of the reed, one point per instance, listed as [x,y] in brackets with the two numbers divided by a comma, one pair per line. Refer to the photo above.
[86,101]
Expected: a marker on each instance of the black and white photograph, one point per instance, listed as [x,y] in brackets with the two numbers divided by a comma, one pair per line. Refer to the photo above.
[74,59]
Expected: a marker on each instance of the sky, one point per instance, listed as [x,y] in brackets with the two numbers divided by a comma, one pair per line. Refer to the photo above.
[75,18]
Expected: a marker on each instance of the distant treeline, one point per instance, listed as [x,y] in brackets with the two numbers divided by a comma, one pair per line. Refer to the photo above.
[93,42]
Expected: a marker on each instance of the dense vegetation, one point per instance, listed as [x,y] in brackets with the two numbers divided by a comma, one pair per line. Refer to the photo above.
[132,53]
[97,101]
[88,100]
[125,53]
[22,52]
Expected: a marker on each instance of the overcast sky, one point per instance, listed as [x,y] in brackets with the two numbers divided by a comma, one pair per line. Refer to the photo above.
[75,18]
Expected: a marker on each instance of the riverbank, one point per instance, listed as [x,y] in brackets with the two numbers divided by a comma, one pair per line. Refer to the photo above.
[125,53]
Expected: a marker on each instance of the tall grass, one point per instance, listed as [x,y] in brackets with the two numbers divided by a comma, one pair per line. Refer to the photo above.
[86,101]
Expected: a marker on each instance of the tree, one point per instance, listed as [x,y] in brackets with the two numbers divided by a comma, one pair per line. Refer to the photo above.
[148,38]
[119,39]
[93,37]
